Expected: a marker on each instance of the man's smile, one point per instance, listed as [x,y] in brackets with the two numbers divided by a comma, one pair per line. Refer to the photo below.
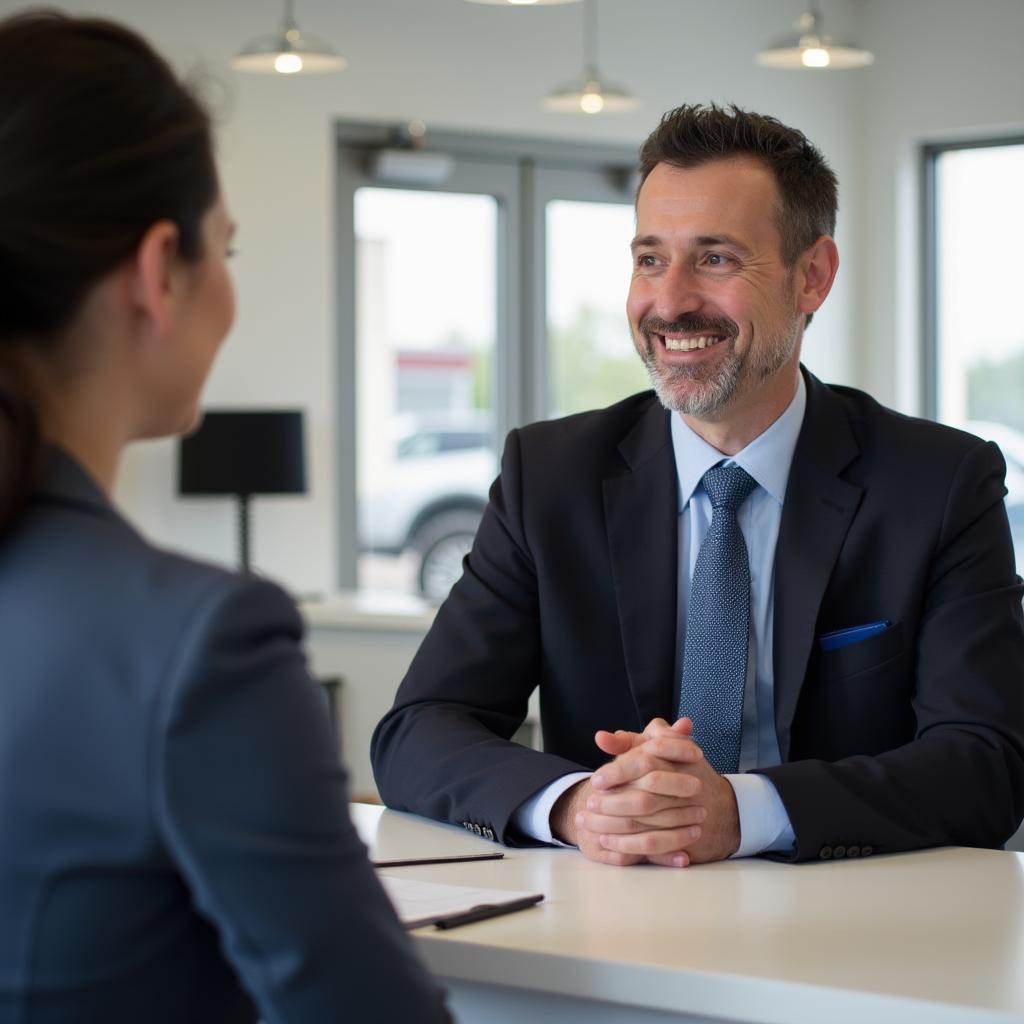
[677,343]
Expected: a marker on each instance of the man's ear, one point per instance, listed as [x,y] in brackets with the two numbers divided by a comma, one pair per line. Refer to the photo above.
[816,271]
[153,275]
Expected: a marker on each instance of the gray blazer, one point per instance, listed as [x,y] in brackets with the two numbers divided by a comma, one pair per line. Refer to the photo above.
[174,840]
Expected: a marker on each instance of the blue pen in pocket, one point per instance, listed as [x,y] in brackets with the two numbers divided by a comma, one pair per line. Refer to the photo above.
[844,637]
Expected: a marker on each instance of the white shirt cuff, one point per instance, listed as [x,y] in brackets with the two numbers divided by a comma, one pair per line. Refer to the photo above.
[533,817]
[764,823]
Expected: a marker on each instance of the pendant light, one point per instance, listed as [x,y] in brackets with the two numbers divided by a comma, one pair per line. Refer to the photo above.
[588,94]
[288,51]
[810,48]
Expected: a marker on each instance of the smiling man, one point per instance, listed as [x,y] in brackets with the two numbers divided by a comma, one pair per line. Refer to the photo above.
[765,615]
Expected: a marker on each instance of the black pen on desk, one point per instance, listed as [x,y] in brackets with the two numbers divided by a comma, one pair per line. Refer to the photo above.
[436,860]
[488,910]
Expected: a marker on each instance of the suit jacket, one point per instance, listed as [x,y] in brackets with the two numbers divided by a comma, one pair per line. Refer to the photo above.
[911,738]
[176,845]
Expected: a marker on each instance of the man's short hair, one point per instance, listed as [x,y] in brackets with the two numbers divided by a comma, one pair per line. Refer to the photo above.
[695,134]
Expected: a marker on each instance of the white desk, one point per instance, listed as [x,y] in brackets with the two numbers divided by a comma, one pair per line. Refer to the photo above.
[933,937]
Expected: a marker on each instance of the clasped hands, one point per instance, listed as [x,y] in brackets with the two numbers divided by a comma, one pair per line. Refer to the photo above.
[658,801]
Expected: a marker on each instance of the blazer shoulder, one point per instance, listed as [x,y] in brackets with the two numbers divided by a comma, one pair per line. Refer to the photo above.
[198,590]
[585,435]
[61,552]
[879,428]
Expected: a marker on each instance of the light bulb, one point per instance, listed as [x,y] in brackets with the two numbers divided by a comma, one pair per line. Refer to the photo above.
[591,103]
[287,63]
[815,57]
[523,2]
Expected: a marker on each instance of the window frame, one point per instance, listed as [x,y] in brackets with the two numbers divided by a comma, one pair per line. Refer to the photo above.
[931,152]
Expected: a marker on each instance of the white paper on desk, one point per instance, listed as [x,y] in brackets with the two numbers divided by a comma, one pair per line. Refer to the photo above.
[419,903]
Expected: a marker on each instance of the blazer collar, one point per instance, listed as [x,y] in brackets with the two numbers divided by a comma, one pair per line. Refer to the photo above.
[816,516]
[641,507]
[62,478]
[648,437]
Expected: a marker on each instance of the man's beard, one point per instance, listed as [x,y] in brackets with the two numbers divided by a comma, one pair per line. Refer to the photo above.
[701,391]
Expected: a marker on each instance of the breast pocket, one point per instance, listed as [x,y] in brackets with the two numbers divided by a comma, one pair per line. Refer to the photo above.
[857,699]
[864,655]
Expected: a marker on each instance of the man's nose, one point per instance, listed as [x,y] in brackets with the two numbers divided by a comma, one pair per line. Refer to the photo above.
[679,291]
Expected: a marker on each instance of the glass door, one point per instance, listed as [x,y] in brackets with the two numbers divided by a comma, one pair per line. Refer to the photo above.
[428,267]
[426,323]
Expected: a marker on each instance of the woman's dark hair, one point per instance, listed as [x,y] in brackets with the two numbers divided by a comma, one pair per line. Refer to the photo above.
[98,141]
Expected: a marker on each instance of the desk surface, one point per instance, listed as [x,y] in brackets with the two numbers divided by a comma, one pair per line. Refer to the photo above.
[933,936]
[374,611]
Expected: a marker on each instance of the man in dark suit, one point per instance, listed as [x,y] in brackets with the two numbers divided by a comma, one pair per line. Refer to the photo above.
[818,593]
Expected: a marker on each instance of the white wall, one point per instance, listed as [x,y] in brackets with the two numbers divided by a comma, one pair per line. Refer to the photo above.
[461,65]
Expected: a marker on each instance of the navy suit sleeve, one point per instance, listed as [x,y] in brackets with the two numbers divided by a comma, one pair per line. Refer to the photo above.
[444,750]
[251,803]
[960,780]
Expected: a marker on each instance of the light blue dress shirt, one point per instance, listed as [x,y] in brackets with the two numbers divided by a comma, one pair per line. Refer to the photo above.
[764,824]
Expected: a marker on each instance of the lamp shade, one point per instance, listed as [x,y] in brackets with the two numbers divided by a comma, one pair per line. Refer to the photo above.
[288,51]
[589,95]
[244,452]
[808,48]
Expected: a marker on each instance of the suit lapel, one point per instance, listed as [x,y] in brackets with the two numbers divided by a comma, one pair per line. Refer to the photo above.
[816,515]
[641,509]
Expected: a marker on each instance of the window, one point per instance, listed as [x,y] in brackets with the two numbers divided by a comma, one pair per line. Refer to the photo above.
[974,332]
[482,285]
[588,267]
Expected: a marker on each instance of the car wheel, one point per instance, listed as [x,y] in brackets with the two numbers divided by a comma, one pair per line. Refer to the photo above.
[443,541]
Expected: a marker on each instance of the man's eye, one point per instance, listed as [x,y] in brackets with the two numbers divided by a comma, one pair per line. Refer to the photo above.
[645,260]
[717,259]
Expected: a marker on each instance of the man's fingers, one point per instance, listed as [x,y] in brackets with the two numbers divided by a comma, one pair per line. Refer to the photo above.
[619,742]
[654,843]
[670,817]
[593,850]
[653,792]
[619,860]
[659,727]
[673,747]
[625,769]
[681,859]
[622,740]
[655,727]
[659,754]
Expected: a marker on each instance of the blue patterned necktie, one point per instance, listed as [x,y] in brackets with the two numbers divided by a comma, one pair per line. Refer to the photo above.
[718,624]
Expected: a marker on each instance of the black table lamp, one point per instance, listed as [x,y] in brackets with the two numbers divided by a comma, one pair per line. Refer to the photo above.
[242,454]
